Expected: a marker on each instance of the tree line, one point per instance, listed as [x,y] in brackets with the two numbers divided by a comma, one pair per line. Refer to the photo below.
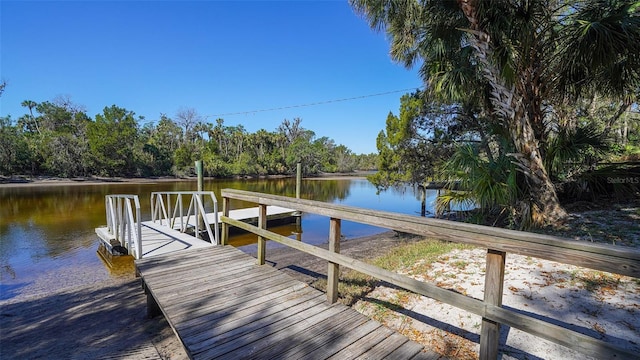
[58,138]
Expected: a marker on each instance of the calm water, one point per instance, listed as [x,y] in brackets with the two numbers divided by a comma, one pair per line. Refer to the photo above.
[47,238]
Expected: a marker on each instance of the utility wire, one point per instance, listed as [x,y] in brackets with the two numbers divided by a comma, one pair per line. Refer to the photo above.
[312,104]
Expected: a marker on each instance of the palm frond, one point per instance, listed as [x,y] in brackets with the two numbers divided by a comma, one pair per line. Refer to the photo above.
[573,145]
[488,184]
[599,47]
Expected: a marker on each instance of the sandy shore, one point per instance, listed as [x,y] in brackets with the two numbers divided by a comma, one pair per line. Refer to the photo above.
[602,305]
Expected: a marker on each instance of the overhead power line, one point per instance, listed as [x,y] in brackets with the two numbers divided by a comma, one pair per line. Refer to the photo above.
[313,103]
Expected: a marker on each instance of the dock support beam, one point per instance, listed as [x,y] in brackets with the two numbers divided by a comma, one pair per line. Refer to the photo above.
[225,227]
[201,224]
[298,179]
[153,309]
[262,224]
[333,271]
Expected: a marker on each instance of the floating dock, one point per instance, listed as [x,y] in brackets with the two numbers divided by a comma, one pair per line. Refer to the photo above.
[275,215]
[157,238]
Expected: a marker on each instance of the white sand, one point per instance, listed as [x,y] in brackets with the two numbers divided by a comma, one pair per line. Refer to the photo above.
[599,304]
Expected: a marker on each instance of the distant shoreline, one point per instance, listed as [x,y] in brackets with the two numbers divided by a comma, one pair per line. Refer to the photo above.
[23,181]
[53,181]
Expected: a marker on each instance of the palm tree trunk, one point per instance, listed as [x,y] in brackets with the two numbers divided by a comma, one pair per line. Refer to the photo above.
[625,130]
[612,120]
[544,204]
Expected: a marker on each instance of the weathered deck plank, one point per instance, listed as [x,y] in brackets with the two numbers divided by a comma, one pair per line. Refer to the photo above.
[220,322]
[334,345]
[259,284]
[209,304]
[224,306]
[384,347]
[191,269]
[250,344]
[362,345]
[245,337]
[315,337]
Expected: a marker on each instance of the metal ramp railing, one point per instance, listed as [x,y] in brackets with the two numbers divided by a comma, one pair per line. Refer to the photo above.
[123,223]
[167,208]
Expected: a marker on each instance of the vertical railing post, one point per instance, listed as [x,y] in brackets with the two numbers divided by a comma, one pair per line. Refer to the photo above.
[153,208]
[121,222]
[166,209]
[179,198]
[116,223]
[196,214]
[129,217]
[216,219]
[493,287]
[171,220]
[298,214]
[139,226]
[116,218]
[225,227]
[333,271]
[262,224]
[205,222]
[298,180]
[201,215]
[163,210]
[109,206]
[106,206]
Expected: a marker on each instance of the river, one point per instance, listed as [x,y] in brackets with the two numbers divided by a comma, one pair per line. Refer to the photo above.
[47,238]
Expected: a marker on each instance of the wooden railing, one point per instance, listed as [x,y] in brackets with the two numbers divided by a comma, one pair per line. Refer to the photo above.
[123,224]
[497,241]
[196,217]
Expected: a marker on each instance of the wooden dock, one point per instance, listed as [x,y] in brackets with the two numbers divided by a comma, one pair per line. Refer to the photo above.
[158,238]
[221,305]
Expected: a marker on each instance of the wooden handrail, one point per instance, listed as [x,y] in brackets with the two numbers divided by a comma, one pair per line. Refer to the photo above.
[497,241]
[615,259]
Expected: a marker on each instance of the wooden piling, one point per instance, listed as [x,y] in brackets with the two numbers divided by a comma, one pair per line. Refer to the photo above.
[333,270]
[493,287]
[201,223]
[262,224]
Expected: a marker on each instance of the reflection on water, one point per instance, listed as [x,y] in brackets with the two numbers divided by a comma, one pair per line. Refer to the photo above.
[247,239]
[47,234]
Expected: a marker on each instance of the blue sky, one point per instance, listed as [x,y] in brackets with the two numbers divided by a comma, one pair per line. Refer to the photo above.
[219,58]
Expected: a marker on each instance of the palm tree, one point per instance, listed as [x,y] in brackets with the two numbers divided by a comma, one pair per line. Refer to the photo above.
[30,104]
[529,55]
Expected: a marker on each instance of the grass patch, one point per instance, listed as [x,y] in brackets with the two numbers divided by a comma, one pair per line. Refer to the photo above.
[416,256]
[426,251]
[594,281]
